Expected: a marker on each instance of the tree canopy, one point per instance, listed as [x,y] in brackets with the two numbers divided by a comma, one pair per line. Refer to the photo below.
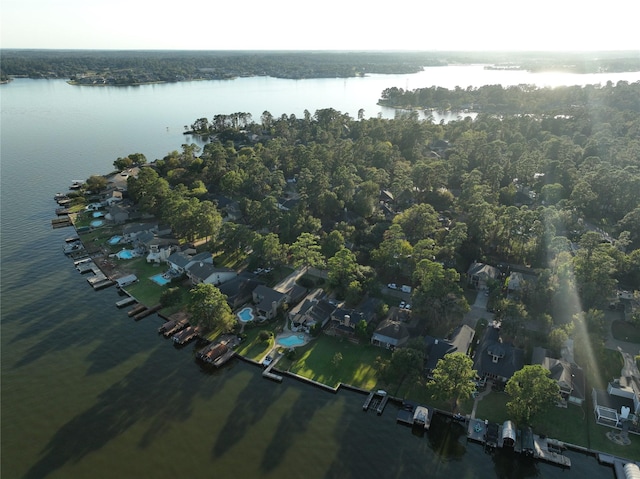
[531,391]
[452,378]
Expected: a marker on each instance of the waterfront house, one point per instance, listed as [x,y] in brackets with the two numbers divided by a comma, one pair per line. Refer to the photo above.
[436,349]
[315,309]
[495,359]
[267,301]
[239,291]
[390,334]
[178,261]
[131,231]
[568,375]
[117,214]
[201,272]
[344,322]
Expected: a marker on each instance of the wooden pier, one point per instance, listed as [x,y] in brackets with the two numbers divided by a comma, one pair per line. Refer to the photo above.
[61,222]
[147,312]
[136,309]
[125,302]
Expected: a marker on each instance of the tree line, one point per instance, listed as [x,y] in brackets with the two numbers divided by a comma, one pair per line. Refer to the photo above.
[525,189]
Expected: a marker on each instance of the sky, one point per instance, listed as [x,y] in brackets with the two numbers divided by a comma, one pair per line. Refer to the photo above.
[445,25]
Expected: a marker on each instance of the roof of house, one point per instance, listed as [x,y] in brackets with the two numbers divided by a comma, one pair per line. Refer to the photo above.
[508,359]
[239,287]
[201,270]
[459,341]
[481,269]
[138,227]
[392,330]
[179,258]
[321,310]
[267,295]
[568,375]
[205,257]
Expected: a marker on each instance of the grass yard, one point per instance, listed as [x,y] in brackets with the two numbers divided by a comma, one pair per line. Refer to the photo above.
[624,331]
[574,425]
[315,361]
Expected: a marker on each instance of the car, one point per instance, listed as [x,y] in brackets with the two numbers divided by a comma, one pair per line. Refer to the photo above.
[392,286]
[266,361]
[402,304]
[407,307]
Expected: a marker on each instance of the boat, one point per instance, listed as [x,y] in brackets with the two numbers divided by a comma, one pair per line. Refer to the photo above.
[72,248]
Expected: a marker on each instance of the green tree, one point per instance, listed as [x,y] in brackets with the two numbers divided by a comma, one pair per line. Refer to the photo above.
[453,379]
[209,308]
[96,183]
[531,392]
[405,364]
[306,252]
[343,269]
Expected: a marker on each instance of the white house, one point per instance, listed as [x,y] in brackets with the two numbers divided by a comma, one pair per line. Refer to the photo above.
[202,272]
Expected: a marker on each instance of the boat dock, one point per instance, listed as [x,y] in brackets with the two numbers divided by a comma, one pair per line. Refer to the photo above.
[61,222]
[422,417]
[545,452]
[136,309]
[147,312]
[376,400]
[125,302]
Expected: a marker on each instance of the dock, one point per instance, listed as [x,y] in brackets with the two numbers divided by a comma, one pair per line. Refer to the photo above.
[147,312]
[103,284]
[136,309]
[543,452]
[125,302]
[61,222]
[376,400]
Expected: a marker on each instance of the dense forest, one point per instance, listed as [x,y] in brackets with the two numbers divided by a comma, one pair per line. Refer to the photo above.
[413,202]
[92,67]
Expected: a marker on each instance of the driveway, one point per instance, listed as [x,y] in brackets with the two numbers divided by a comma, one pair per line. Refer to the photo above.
[478,311]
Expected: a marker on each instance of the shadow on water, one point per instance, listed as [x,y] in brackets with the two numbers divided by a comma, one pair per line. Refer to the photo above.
[158,391]
[447,438]
[291,426]
[251,405]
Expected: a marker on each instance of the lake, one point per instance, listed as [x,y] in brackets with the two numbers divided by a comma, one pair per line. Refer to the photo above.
[88,392]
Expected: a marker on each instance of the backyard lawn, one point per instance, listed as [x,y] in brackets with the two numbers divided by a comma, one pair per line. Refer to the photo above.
[574,425]
[316,361]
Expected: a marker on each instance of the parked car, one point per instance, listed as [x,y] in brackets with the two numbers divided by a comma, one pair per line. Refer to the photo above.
[266,361]
[392,286]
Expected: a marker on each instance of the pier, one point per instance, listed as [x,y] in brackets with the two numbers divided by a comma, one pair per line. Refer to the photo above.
[147,312]
[376,400]
[61,222]
[135,310]
[125,302]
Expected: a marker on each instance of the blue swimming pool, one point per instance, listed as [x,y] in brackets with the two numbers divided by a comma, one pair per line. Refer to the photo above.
[114,240]
[125,254]
[98,214]
[246,314]
[292,341]
[96,223]
[160,279]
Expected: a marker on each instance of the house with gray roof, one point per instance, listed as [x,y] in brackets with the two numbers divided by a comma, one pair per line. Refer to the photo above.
[239,291]
[314,309]
[436,349]
[480,274]
[201,272]
[267,301]
[495,359]
[178,261]
[117,214]
[569,376]
[390,334]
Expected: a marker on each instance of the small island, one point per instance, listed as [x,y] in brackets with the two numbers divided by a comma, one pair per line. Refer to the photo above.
[485,269]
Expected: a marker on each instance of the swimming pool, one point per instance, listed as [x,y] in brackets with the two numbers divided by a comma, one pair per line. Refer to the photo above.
[114,240]
[98,214]
[246,314]
[160,279]
[125,254]
[96,223]
[292,341]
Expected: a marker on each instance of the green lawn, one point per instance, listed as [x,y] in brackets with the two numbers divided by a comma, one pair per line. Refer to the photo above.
[315,361]
[574,425]
[624,331]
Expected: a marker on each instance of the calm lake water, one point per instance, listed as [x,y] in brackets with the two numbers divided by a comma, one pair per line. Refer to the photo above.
[87,392]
